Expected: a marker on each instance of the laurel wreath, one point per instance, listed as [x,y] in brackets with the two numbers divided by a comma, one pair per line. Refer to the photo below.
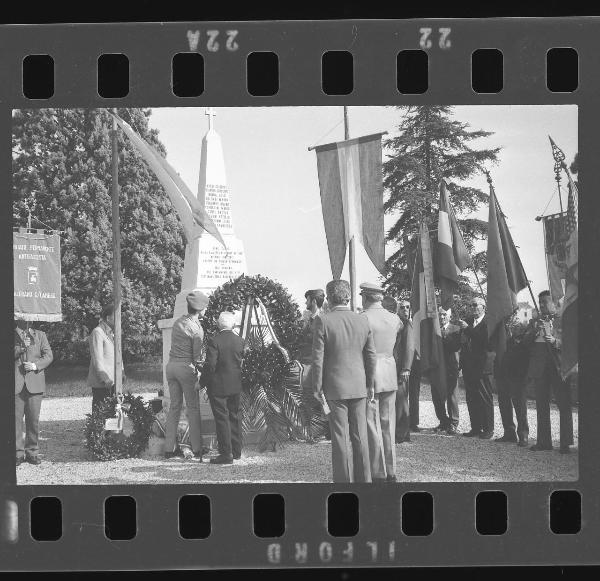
[113,446]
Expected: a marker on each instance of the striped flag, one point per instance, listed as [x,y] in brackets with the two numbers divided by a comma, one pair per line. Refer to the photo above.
[569,356]
[192,214]
[425,320]
[506,277]
[351,184]
[452,254]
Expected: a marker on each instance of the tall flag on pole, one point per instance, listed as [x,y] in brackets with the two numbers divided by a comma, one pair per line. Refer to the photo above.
[555,237]
[351,184]
[569,356]
[191,212]
[506,276]
[425,319]
[452,254]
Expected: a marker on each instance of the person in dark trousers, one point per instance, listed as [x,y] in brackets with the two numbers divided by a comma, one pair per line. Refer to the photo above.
[544,338]
[409,374]
[101,374]
[344,362]
[32,355]
[510,374]
[474,362]
[222,377]
[447,410]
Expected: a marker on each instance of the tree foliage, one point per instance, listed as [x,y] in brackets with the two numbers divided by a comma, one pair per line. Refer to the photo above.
[431,145]
[62,174]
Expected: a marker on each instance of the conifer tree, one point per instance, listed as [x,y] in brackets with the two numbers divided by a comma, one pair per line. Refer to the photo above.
[431,145]
[62,173]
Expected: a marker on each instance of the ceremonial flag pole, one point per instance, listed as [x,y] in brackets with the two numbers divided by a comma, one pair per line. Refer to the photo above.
[116,274]
[351,244]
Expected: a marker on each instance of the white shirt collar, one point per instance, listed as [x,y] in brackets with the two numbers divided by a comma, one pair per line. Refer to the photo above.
[478,320]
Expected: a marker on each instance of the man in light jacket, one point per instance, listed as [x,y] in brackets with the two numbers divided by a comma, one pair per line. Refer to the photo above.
[101,374]
[344,361]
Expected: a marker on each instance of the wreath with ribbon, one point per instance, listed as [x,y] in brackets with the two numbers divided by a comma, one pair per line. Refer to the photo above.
[106,445]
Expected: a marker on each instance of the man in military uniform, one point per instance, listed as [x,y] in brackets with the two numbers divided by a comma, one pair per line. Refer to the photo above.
[32,356]
[381,414]
[185,359]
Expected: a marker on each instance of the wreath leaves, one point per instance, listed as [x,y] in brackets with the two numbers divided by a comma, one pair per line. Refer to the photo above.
[108,446]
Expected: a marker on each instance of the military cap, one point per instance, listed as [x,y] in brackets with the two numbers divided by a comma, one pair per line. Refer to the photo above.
[197,300]
[368,288]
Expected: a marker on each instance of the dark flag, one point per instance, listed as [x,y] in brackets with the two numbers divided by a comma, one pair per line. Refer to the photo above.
[351,184]
[452,254]
[569,356]
[555,237]
[506,277]
[426,323]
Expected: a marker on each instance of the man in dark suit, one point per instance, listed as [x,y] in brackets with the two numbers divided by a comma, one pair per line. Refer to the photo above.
[344,362]
[447,410]
[510,373]
[474,362]
[544,338]
[222,376]
[409,378]
[32,356]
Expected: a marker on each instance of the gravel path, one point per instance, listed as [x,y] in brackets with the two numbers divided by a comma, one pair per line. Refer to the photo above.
[429,457]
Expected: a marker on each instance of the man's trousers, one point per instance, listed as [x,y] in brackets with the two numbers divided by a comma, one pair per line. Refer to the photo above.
[446,408]
[27,407]
[181,378]
[349,440]
[414,393]
[480,402]
[381,431]
[226,411]
[546,381]
[402,415]
[511,394]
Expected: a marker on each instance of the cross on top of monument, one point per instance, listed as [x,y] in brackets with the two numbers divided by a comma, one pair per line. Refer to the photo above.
[211,114]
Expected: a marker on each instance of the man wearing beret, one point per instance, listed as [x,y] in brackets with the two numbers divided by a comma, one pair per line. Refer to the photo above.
[185,359]
[381,414]
[32,356]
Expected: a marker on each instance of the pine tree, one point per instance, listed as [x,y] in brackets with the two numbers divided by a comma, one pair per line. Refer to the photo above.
[62,173]
[431,145]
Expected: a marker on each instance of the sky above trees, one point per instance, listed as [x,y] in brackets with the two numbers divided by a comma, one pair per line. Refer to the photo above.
[274,187]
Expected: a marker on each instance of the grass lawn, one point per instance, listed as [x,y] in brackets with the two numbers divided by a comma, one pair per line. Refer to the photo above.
[71,380]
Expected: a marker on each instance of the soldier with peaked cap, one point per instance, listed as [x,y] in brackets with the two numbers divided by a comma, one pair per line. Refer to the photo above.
[381,414]
[185,359]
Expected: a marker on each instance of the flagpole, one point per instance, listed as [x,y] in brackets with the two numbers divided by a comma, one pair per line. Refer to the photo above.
[559,162]
[116,274]
[351,246]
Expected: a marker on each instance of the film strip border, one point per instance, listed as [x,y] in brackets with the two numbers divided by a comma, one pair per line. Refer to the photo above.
[284,63]
[274,525]
[383,513]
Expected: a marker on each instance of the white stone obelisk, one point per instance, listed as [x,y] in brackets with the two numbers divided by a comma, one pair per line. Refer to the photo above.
[207,265]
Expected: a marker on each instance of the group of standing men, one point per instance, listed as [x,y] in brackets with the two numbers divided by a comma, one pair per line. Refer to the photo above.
[365,366]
